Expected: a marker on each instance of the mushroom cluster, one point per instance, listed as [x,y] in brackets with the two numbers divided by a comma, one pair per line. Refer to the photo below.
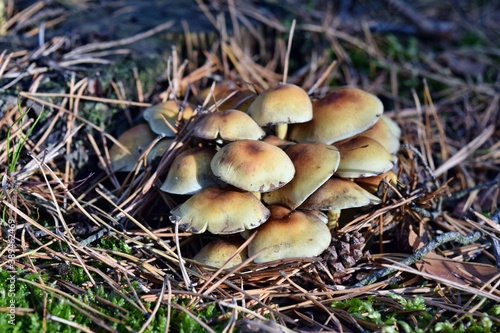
[279,163]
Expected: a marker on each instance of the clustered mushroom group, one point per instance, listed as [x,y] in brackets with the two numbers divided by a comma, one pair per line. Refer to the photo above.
[277,162]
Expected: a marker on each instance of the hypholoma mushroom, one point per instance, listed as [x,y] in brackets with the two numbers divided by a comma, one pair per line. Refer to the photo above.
[314,163]
[229,125]
[220,212]
[363,157]
[253,166]
[132,144]
[158,115]
[281,105]
[337,194]
[190,172]
[339,115]
[219,252]
[291,235]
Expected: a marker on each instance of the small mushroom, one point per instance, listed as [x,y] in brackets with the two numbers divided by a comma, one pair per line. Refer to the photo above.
[363,157]
[132,144]
[387,132]
[219,251]
[341,114]
[190,172]
[168,111]
[296,234]
[281,105]
[253,166]
[337,194]
[220,212]
[229,125]
[314,163]
[371,184]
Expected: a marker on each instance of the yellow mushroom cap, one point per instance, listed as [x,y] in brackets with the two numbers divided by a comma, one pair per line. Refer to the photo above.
[190,172]
[339,115]
[217,252]
[283,104]
[339,193]
[314,163]
[253,166]
[293,235]
[220,212]
[229,125]
[133,143]
[387,132]
[363,157]
[156,116]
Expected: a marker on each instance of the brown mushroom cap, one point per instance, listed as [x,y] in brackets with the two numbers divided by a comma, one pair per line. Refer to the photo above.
[165,111]
[253,166]
[218,252]
[371,184]
[229,125]
[220,212]
[159,149]
[283,104]
[339,115]
[190,172]
[339,193]
[387,132]
[294,235]
[314,163]
[363,157]
[134,141]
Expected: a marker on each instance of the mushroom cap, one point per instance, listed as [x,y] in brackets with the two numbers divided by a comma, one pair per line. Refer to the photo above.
[387,132]
[241,100]
[135,140]
[156,116]
[218,251]
[363,157]
[339,115]
[294,235]
[278,142]
[339,193]
[229,125]
[314,163]
[220,212]
[253,166]
[283,104]
[371,184]
[190,172]
[159,149]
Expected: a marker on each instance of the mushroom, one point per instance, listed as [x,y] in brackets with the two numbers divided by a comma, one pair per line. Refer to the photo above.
[132,144]
[281,105]
[220,212]
[296,234]
[371,184]
[229,125]
[337,194]
[218,253]
[168,111]
[387,132]
[314,163]
[363,157]
[253,166]
[190,172]
[339,115]
[159,149]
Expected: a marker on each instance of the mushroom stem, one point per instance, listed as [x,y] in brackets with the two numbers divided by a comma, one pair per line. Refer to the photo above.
[333,218]
[281,130]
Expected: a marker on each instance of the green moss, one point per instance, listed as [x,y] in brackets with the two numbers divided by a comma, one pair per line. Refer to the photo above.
[424,317]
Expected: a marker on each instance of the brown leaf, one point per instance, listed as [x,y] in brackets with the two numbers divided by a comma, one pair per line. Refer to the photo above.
[459,272]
